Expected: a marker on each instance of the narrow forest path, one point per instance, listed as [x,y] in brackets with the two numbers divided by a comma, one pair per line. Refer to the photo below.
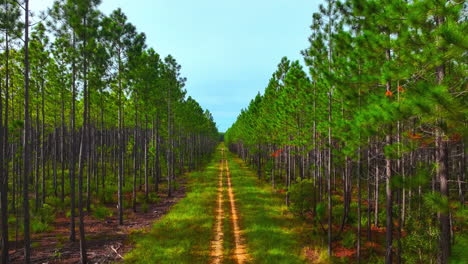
[228,216]
[239,254]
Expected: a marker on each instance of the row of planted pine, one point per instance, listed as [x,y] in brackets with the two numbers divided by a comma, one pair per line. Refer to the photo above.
[89,117]
[373,137]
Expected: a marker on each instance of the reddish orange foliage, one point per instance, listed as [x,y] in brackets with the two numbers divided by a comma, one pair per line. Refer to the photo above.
[456,137]
[370,244]
[414,136]
[342,252]
[400,89]
[276,153]
[427,142]
[388,93]
[377,229]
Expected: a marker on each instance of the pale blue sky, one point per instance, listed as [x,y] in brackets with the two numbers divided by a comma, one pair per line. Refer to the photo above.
[228,49]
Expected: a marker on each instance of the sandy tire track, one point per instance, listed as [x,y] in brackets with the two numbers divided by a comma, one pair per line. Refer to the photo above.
[217,242]
[240,251]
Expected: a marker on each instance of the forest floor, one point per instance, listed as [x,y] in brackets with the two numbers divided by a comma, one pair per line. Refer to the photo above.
[228,216]
[106,240]
[221,214]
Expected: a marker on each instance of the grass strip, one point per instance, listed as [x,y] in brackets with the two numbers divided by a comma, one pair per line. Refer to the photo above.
[270,231]
[184,234]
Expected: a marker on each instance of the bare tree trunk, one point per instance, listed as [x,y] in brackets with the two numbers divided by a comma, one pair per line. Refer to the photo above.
[389,205]
[82,155]
[146,157]
[376,193]
[4,158]
[4,185]
[329,172]
[26,138]
[62,144]
[36,144]
[169,144]
[43,160]
[442,175]
[120,147]
[368,190]
[72,151]
[358,247]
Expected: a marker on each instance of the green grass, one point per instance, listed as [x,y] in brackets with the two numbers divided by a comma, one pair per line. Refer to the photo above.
[185,233]
[270,231]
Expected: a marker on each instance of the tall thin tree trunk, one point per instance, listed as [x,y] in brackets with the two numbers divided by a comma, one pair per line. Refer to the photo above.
[82,155]
[442,175]
[26,138]
[3,185]
[120,147]
[72,149]
[146,158]
[135,140]
[169,144]
[4,158]
[43,160]
[358,249]
[62,144]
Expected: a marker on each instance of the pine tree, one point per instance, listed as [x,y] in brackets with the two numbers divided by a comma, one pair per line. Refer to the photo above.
[10,24]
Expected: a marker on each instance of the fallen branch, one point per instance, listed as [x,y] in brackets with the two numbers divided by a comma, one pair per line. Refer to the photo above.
[112,247]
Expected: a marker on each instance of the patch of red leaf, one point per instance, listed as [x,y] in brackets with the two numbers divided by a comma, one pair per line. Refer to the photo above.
[281,191]
[342,252]
[378,229]
[311,254]
[414,136]
[370,244]
[276,153]
[456,137]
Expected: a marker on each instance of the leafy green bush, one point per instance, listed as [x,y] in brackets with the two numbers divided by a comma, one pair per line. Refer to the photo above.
[11,219]
[127,203]
[363,219]
[336,199]
[436,202]
[140,197]
[46,213]
[421,245]
[68,213]
[144,207]
[459,252]
[35,244]
[301,197]
[320,210]
[128,188]
[108,195]
[153,197]
[349,239]
[38,227]
[55,202]
[42,218]
[338,212]
[102,212]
